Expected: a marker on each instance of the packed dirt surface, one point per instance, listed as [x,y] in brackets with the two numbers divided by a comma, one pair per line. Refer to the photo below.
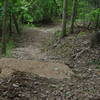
[43,69]
[30,43]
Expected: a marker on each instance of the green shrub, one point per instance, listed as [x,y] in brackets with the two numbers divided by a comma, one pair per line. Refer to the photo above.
[95,62]
[36,10]
[10,46]
[81,34]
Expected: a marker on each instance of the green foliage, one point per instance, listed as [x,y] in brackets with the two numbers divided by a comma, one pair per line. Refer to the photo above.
[40,10]
[35,10]
[88,11]
[94,13]
[30,11]
[57,35]
[98,67]
[44,9]
[10,46]
[0,13]
[96,62]
[81,34]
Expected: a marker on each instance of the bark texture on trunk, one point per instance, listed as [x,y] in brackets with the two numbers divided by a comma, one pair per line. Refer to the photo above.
[74,11]
[64,18]
[16,23]
[4,27]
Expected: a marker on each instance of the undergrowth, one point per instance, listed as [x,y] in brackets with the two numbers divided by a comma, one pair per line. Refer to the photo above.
[9,47]
[81,34]
[95,62]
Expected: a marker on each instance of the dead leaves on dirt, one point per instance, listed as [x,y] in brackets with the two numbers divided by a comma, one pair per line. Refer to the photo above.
[26,86]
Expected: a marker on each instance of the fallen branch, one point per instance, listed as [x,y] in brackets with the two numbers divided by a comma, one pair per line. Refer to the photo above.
[77,55]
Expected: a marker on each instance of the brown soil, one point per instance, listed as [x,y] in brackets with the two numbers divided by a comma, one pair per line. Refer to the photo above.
[30,43]
[43,69]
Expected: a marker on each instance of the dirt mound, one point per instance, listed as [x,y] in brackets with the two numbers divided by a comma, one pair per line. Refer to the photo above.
[44,69]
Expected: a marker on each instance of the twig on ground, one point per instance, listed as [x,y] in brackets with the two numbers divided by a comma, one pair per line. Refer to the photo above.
[77,55]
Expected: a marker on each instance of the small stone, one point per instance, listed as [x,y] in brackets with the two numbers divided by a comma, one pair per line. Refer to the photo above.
[35,92]
[47,92]
[15,85]
[90,69]
[53,86]
[56,69]
[61,89]
[36,83]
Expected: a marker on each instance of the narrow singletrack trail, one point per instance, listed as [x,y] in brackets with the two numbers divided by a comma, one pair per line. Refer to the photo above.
[31,42]
[27,56]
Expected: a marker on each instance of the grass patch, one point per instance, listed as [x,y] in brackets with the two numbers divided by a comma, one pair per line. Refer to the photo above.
[95,62]
[98,67]
[57,35]
[81,34]
[29,25]
[9,47]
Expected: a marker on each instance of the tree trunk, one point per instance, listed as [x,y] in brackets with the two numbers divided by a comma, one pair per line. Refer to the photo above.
[4,27]
[16,24]
[10,25]
[73,15]
[64,18]
[97,21]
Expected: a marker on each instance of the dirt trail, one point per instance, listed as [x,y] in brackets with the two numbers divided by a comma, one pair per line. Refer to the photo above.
[29,46]
[27,56]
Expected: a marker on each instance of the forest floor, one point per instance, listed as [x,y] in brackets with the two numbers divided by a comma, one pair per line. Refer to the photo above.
[42,69]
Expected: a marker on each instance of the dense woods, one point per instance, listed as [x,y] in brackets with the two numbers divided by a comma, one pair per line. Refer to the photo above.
[78,13]
[58,41]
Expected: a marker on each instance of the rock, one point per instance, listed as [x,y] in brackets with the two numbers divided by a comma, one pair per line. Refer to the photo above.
[15,85]
[61,89]
[36,83]
[35,92]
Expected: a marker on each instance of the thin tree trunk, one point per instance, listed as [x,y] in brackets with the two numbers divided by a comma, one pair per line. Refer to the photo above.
[73,15]
[4,27]
[16,24]
[10,25]
[22,19]
[64,18]
[97,21]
